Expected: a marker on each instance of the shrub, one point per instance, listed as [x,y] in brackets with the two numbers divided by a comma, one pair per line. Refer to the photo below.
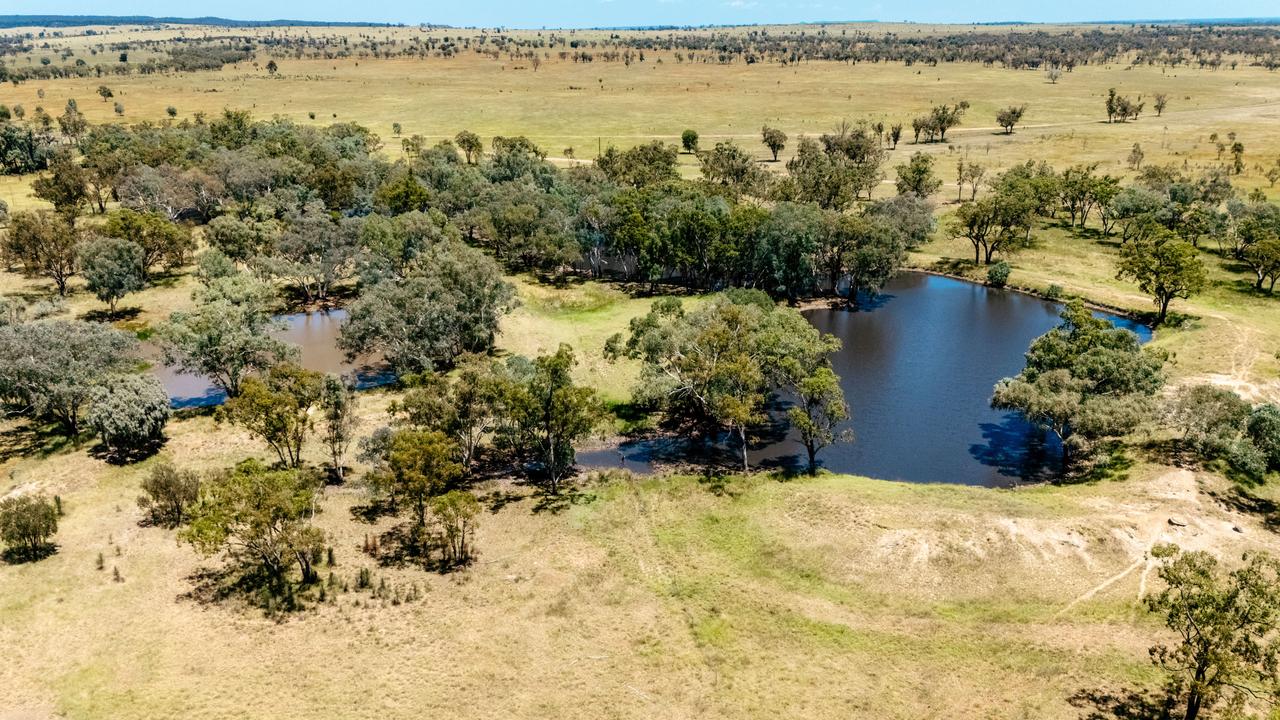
[26,524]
[169,493]
[1054,292]
[129,412]
[1264,431]
[998,274]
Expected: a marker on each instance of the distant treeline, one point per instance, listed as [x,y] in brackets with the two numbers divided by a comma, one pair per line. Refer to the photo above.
[11,21]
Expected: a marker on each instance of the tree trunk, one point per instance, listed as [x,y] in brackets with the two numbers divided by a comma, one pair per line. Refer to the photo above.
[742,435]
[1193,706]
[813,458]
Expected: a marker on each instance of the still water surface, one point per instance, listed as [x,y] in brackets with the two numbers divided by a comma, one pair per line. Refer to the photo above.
[917,368]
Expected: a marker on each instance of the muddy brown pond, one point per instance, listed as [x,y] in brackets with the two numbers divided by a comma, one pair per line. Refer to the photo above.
[917,367]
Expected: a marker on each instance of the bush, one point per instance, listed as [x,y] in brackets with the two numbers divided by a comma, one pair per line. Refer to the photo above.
[1264,431]
[1245,458]
[998,274]
[170,492]
[1054,292]
[129,412]
[26,524]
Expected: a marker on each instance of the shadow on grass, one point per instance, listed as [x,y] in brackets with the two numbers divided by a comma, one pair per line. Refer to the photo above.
[1240,499]
[126,456]
[106,316]
[32,439]
[21,555]
[553,503]
[1101,704]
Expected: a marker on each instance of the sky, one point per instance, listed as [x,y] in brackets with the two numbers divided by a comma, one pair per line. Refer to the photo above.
[612,13]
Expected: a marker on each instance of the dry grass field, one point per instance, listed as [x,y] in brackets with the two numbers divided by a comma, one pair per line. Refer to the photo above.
[674,596]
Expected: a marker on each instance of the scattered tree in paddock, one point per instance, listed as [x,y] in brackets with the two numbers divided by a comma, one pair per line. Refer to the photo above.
[45,244]
[689,141]
[163,242]
[713,369]
[261,520]
[730,167]
[651,163]
[1136,156]
[129,413]
[1225,652]
[455,514]
[169,493]
[1161,101]
[418,465]
[470,145]
[819,410]
[226,335]
[917,176]
[66,186]
[546,413]
[1165,267]
[450,305]
[774,139]
[52,369]
[338,420]
[1120,108]
[1009,117]
[27,524]
[276,409]
[465,408]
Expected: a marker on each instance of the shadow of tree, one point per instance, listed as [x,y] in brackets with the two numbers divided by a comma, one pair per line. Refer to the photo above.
[21,555]
[30,439]
[126,457]
[1103,704]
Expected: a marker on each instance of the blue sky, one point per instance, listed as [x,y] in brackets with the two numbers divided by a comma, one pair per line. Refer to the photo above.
[595,13]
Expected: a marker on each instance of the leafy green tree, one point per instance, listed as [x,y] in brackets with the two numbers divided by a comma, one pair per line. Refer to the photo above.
[226,336]
[714,368]
[260,519]
[112,268]
[162,241]
[169,493]
[1225,653]
[241,239]
[729,166]
[1164,267]
[819,410]
[1263,258]
[465,408]
[1008,117]
[314,253]
[338,420]
[774,139]
[66,186]
[470,144]
[1264,431]
[277,409]
[548,413]
[689,141]
[27,522]
[456,514]
[1085,381]
[651,163]
[418,466]
[451,305]
[917,176]
[54,368]
[45,244]
[129,413]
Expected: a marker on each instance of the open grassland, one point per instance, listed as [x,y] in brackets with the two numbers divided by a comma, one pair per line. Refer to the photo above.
[833,597]
[588,106]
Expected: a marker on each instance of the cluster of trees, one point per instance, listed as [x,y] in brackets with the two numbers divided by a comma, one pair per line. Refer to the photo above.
[1087,382]
[712,370]
[318,208]
[1216,425]
[70,371]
